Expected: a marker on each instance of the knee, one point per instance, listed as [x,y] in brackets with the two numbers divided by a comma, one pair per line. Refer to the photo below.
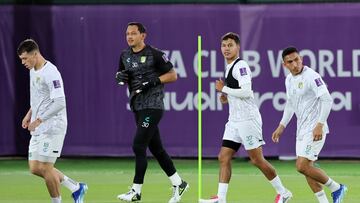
[301,168]
[37,170]
[157,152]
[256,161]
[139,150]
[34,171]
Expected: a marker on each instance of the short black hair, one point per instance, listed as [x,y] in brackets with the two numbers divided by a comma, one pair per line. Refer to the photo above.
[231,35]
[289,50]
[140,26]
[27,45]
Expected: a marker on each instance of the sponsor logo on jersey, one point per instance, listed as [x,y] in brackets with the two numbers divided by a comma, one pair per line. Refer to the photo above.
[165,58]
[243,71]
[56,83]
[318,82]
[142,59]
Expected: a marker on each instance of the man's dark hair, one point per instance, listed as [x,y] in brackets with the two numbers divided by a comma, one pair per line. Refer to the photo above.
[27,45]
[140,26]
[288,50]
[231,35]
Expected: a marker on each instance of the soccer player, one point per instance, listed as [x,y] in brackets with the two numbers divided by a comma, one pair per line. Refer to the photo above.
[309,98]
[244,125]
[145,69]
[46,120]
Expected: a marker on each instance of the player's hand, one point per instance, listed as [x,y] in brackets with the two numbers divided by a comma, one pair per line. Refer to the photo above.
[34,124]
[223,98]
[277,133]
[317,132]
[25,122]
[219,85]
[140,86]
[122,77]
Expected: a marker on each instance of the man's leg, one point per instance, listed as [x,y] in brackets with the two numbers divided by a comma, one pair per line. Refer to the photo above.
[227,152]
[78,190]
[258,160]
[315,176]
[146,123]
[157,149]
[307,151]
[140,144]
[51,177]
[54,178]
[67,182]
[225,156]
[314,185]
[230,145]
[306,167]
[251,134]
[225,169]
[317,188]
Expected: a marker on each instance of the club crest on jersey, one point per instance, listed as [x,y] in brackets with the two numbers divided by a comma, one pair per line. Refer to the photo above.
[318,82]
[56,83]
[300,85]
[38,79]
[243,71]
[142,59]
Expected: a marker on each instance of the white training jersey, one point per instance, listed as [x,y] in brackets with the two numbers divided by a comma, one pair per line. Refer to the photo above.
[303,92]
[241,109]
[46,84]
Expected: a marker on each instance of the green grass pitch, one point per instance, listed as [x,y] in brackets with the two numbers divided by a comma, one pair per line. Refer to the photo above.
[108,177]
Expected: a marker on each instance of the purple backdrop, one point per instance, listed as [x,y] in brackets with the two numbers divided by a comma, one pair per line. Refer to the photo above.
[85,42]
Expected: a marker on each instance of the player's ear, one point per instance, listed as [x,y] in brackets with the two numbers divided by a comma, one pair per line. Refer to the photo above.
[143,35]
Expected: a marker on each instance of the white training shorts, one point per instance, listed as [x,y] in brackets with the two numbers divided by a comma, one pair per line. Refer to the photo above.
[308,148]
[46,148]
[248,133]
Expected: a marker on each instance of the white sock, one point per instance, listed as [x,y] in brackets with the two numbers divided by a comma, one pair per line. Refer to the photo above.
[332,185]
[278,186]
[56,199]
[175,179]
[222,190]
[321,196]
[137,188]
[70,184]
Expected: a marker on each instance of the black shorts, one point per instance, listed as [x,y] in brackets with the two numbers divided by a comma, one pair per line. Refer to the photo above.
[231,144]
